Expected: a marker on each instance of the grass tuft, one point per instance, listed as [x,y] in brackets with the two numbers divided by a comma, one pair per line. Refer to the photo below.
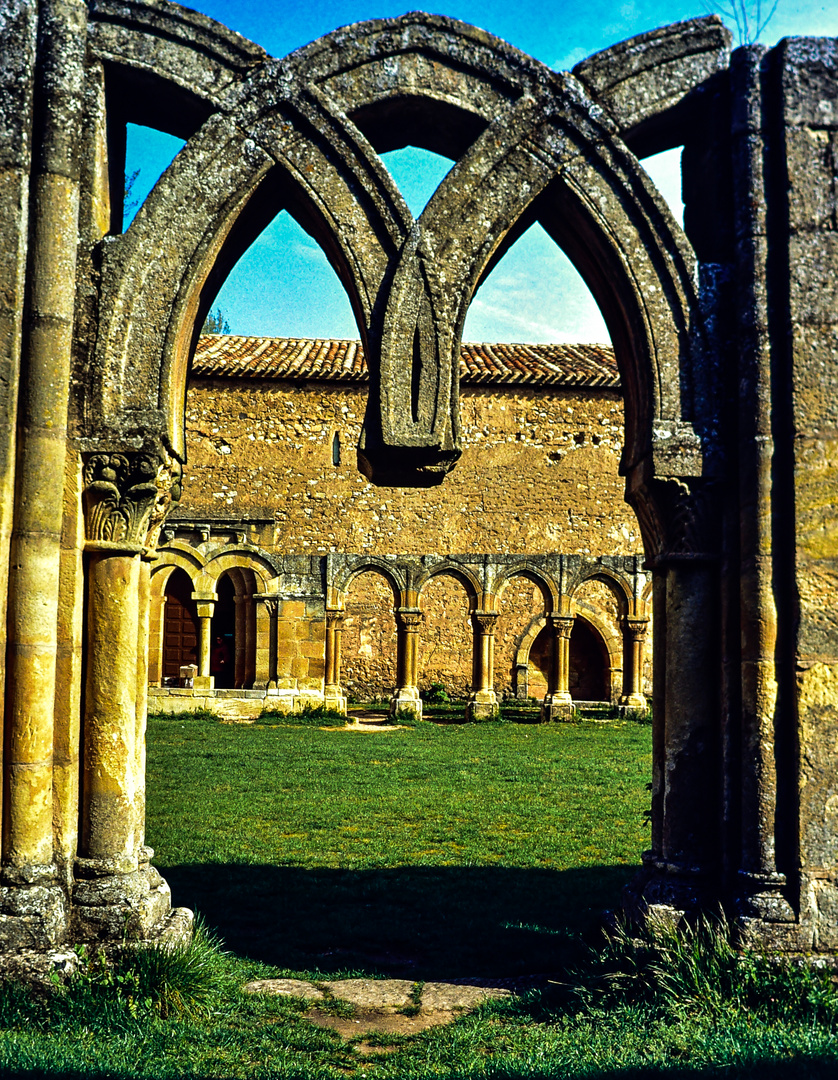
[698,966]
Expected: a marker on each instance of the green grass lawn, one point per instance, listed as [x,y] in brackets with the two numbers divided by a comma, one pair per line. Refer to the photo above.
[432,853]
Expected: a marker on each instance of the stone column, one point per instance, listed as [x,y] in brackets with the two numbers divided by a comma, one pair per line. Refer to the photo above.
[240,642]
[522,681]
[634,635]
[265,666]
[333,696]
[690,829]
[249,641]
[483,701]
[406,695]
[116,892]
[32,903]
[558,704]
[205,608]
[761,888]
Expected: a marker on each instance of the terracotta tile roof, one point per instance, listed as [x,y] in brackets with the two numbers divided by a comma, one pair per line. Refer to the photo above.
[232,356]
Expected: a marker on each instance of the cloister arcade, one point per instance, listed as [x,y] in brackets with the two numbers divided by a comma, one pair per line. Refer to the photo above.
[268,623]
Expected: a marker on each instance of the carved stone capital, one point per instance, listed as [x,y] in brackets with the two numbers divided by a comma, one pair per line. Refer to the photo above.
[562,624]
[636,629]
[334,619]
[484,621]
[127,498]
[269,603]
[410,619]
[686,515]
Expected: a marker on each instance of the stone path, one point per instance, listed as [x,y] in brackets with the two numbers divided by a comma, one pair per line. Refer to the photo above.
[389,1006]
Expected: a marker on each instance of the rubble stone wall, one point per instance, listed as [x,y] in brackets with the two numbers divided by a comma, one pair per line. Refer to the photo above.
[539,472]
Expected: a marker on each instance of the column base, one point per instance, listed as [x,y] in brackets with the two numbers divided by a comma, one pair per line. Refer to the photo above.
[406,700]
[203,682]
[120,900]
[482,705]
[634,701]
[34,913]
[334,699]
[762,897]
[667,891]
[558,708]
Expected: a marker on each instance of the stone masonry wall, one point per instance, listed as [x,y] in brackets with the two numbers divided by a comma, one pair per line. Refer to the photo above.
[538,472]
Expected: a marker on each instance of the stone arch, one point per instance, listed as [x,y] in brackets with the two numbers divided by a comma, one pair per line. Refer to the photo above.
[370,645]
[571,171]
[177,557]
[621,588]
[589,648]
[516,612]
[549,588]
[447,568]
[611,676]
[243,560]
[187,559]
[342,584]
[448,597]
[278,136]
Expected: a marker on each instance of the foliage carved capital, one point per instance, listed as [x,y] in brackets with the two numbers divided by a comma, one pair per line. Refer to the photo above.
[409,619]
[484,621]
[562,624]
[127,497]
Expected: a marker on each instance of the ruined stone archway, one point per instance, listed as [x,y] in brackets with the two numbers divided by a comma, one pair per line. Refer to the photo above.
[740,568]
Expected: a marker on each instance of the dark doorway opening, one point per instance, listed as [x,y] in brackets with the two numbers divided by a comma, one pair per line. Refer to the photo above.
[223,647]
[589,664]
[180,626]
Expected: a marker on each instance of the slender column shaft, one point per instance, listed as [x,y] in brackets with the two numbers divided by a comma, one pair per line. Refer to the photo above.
[143,645]
[758,613]
[690,837]
[334,634]
[634,635]
[240,642]
[406,695]
[205,610]
[36,538]
[484,650]
[483,701]
[249,642]
[658,708]
[563,627]
[109,811]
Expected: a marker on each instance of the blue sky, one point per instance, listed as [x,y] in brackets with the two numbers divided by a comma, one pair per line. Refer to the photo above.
[284,286]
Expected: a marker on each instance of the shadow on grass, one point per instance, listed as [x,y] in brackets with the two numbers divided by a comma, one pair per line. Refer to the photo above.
[428,923]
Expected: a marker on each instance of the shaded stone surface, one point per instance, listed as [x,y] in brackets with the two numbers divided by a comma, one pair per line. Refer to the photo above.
[373,993]
[285,988]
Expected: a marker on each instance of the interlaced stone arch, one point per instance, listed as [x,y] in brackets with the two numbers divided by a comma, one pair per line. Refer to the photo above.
[561,149]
